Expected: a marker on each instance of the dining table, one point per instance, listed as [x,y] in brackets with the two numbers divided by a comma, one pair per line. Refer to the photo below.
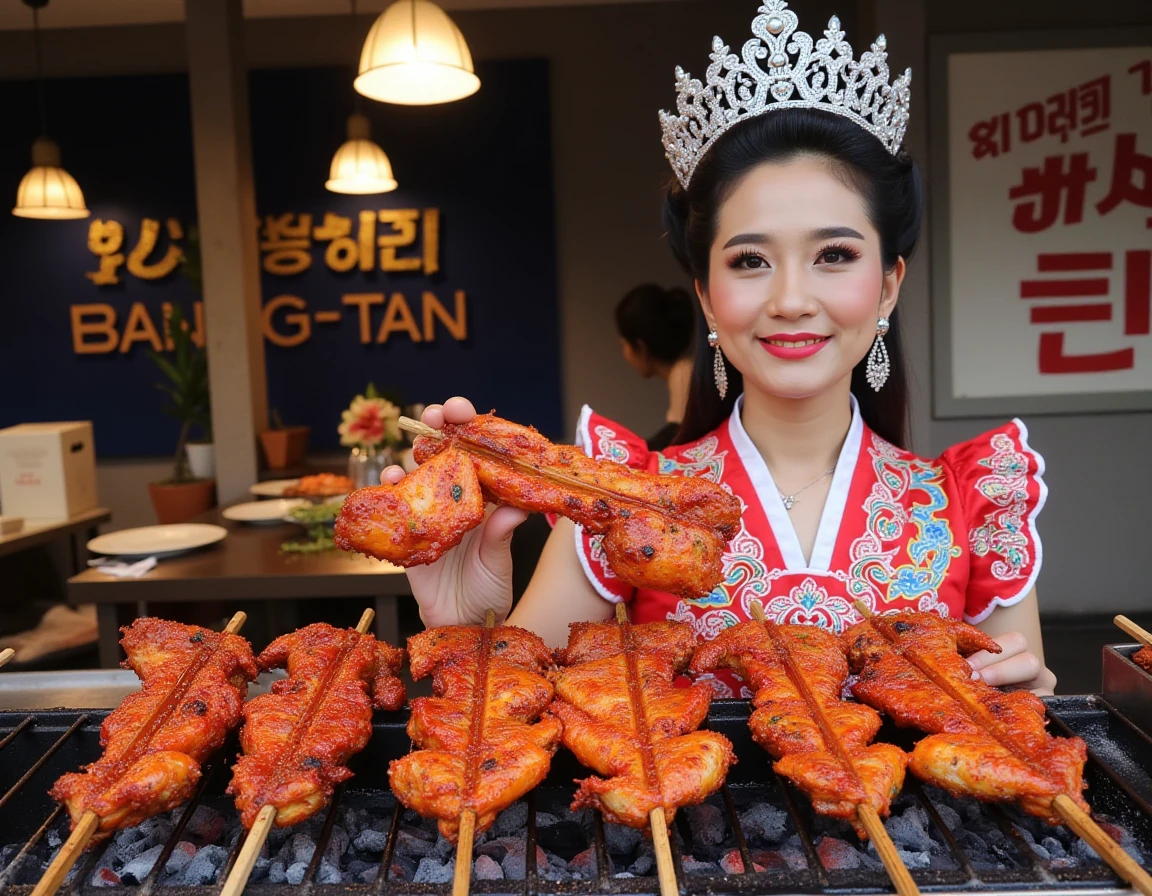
[247,565]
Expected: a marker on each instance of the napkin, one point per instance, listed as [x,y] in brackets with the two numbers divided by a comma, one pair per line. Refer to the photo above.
[123,570]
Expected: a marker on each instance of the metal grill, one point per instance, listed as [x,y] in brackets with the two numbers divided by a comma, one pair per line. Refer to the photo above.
[36,748]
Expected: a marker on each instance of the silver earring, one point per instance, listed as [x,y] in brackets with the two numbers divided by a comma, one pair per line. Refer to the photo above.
[878,366]
[718,370]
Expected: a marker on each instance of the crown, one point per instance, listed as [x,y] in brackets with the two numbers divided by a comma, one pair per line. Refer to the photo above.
[782,68]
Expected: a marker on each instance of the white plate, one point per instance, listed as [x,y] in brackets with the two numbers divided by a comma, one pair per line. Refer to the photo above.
[273,488]
[262,511]
[156,541]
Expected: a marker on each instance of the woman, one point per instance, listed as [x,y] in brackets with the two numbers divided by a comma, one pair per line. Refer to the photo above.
[795,222]
[655,326]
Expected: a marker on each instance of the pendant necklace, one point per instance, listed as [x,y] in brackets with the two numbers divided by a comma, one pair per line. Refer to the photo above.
[790,500]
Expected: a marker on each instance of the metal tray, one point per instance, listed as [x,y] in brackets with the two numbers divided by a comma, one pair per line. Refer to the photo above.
[1126,686]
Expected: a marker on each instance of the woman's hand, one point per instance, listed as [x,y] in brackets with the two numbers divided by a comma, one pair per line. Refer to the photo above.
[476,575]
[1016,667]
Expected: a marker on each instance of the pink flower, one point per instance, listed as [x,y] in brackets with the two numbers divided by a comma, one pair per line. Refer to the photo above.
[370,422]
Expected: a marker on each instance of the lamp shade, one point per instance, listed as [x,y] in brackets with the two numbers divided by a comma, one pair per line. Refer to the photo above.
[48,191]
[360,166]
[415,55]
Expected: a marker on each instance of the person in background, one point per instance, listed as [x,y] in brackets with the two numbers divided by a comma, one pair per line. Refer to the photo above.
[655,327]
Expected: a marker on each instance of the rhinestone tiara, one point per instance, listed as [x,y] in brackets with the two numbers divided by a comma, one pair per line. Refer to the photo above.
[782,68]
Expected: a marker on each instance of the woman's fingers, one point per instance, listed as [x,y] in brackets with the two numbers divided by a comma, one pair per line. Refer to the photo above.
[433,416]
[391,475]
[458,410]
[1023,668]
[1012,644]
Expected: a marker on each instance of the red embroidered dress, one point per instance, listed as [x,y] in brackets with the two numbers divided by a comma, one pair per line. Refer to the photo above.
[955,535]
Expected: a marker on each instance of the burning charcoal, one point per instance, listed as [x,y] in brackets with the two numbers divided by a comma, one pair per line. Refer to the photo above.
[706,822]
[407,844]
[295,873]
[487,868]
[623,875]
[371,841]
[432,872]
[733,863]
[950,817]
[54,840]
[337,845]
[181,856]
[764,821]
[277,872]
[205,865]
[302,849]
[1055,847]
[443,849]
[643,865]
[766,859]
[136,870]
[514,863]
[512,820]
[497,849]
[105,877]
[1040,851]
[621,839]
[328,873]
[793,854]
[584,864]
[692,866]
[838,855]
[910,829]
[913,859]
[206,824]
[358,866]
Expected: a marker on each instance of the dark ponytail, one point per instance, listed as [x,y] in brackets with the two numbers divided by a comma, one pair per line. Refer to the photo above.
[891,187]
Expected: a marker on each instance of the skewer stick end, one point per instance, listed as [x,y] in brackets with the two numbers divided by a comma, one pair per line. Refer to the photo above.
[462,876]
[1133,630]
[757,610]
[1107,848]
[236,622]
[421,429]
[76,843]
[897,871]
[863,609]
[622,617]
[665,870]
[489,619]
[365,622]
[250,852]
[6,654]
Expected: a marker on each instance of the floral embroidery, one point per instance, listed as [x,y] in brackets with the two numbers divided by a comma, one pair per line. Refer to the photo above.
[609,447]
[931,549]
[702,460]
[721,690]
[810,604]
[1003,531]
[706,625]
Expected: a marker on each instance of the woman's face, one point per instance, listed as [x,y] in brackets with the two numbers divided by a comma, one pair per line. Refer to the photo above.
[796,281]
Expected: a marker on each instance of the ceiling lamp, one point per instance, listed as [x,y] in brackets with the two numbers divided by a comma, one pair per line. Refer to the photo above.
[415,55]
[360,166]
[47,191]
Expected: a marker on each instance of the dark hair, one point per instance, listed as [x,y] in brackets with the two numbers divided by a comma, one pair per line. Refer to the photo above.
[662,319]
[892,189]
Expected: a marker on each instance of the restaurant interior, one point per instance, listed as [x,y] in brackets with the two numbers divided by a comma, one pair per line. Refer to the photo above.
[248,238]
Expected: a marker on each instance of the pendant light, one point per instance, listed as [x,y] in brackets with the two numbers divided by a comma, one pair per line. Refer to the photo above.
[360,166]
[415,55]
[47,191]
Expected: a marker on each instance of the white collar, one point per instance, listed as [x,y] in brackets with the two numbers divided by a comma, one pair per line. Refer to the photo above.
[769,494]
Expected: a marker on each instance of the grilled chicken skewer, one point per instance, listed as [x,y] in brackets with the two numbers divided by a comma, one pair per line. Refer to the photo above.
[297,738]
[1143,656]
[661,532]
[194,684]
[982,742]
[820,742]
[624,719]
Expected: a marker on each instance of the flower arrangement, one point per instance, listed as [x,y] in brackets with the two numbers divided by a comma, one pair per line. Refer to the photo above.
[371,422]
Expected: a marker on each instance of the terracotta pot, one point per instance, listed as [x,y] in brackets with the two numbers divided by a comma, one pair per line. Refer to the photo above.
[178,502]
[286,447]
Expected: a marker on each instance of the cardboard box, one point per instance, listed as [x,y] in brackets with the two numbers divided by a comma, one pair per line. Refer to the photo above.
[47,470]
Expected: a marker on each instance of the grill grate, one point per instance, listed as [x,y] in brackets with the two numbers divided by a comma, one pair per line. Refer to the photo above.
[36,748]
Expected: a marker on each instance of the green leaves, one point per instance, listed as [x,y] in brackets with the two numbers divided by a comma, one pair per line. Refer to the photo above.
[185,384]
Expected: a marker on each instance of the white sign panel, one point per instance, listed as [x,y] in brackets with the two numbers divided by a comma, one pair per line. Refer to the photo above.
[1049,225]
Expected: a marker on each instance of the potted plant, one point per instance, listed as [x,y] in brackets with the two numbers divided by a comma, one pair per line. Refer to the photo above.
[284,446]
[184,495]
[370,426]
[201,452]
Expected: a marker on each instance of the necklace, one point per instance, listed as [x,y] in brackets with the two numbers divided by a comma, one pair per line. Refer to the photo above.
[790,500]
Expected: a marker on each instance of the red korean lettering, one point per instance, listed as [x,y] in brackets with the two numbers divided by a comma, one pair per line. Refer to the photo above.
[1049,189]
[1144,70]
[1131,177]
[1062,114]
[983,135]
[1138,293]
[1054,360]
[1031,119]
[1094,99]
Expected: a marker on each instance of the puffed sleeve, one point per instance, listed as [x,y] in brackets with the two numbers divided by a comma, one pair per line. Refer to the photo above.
[1001,489]
[603,439]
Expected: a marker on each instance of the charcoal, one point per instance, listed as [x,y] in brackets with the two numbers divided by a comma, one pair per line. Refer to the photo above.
[837,855]
[443,849]
[277,872]
[497,849]
[373,841]
[357,866]
[328,873]
[621,839]
[584,864]
[406,844]
[105,877]
[514,862]
[910,829]
[764,821]
[512,820]
[561,835]
[545,819]
[337,845]
[206,824]
[29,871]
[913,859]
[1055,847]
[433,872]
[706,822]
[260,868]
[693,866]
[54,840]
[1040,851]
[181,856]
[487,868]
[136,870]
[766,859]
[623,875]
[303,847]
[352,822]
[793,854]
[205,865]
[295,873]
[643,865]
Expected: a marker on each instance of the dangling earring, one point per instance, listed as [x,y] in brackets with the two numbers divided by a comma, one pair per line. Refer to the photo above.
[878,366]
[718,370]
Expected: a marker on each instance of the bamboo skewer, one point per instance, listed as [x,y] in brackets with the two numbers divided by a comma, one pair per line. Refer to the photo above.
[657,821]
[1129,628]
[898,872]
[6,654]
[1076,818]
[462,874]
[266,817]
[86,827]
